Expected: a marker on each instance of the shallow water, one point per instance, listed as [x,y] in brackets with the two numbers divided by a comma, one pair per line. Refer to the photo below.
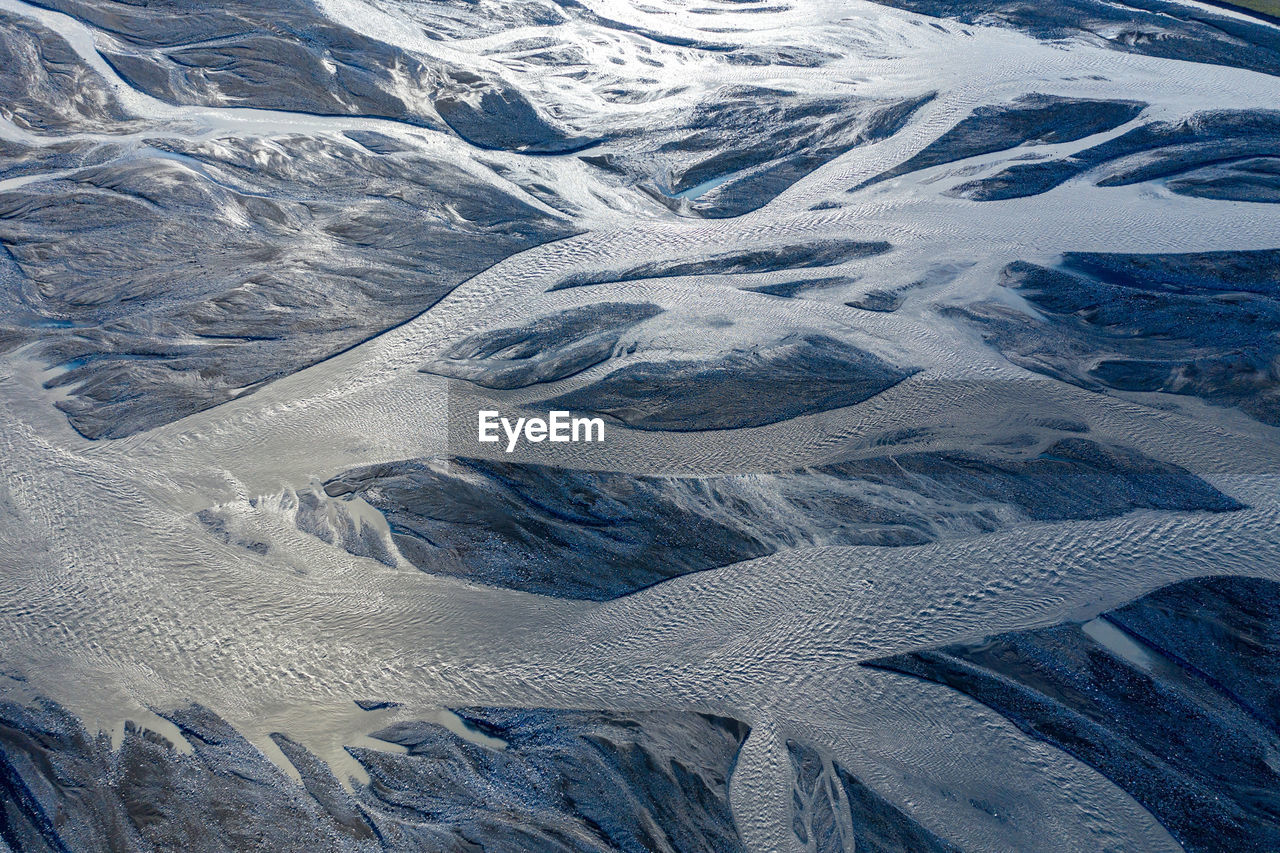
[115,600]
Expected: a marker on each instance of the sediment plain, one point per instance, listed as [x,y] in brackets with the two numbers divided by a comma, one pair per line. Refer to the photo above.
[937,345]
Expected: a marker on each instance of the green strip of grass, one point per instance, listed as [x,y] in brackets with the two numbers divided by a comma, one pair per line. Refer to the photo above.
[1271,7]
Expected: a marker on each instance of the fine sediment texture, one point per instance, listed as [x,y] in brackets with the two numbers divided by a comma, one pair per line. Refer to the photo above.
[935,336]
[1171,696]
